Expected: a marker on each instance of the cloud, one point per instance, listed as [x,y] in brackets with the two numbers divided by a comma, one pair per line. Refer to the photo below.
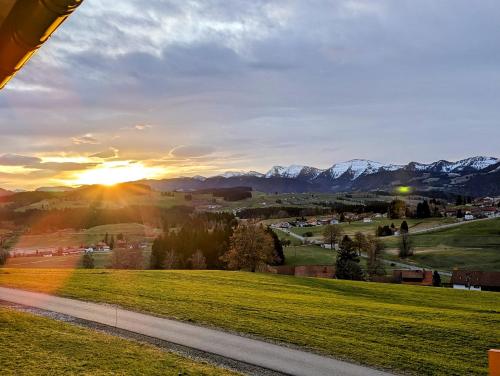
[18,160]
[106,154]
[85,139]
[254,77]
[64,166]
[141,127]
[191,151]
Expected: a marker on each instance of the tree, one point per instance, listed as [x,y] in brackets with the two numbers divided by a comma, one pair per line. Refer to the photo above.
[124,258]
[332,234]
[4,255]
[360,242]
[198,261]
[375,265]
[250,247]
[404,228]
[460,214]
[106,238]
[436,279]
[397,209]
[347,264]
[120,236]
[423,209]
[88,261]
[170,260]
[405,246]
[279,255]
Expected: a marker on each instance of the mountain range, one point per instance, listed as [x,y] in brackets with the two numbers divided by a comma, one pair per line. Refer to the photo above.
[475,176]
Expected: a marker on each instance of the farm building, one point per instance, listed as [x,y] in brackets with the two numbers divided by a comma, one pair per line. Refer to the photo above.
[475,280]
[413,277]
[318,271]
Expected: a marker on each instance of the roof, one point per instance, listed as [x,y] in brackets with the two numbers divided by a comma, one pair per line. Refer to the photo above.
[24,26]
[412,274]
[475,278]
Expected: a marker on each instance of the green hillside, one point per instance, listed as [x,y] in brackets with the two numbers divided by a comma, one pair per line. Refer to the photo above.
[57,348]
[474,245]
[418,330]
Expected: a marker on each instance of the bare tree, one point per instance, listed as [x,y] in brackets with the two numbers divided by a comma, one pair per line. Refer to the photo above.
[332,234]
[375,265]
[405,245]
[198,261]
[361,243]
[124,258]
[170,260]
[251,246]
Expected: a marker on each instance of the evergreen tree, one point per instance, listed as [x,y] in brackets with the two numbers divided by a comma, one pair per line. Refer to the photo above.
[347,264]
[404,227]
[88,261]
[405,246]
[279,256]
[436,279]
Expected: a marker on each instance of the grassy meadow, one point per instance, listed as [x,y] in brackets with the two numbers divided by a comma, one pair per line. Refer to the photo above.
[57,348]
[410,329]
[309,255]
[370,228]
[474,245]
[71,238]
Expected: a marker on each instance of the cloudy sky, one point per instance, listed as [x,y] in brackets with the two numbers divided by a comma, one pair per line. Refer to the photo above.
[168,87]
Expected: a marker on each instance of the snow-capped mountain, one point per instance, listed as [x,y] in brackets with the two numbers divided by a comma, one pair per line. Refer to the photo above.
[232,174]
[293,171]
[354,167]
[476,175]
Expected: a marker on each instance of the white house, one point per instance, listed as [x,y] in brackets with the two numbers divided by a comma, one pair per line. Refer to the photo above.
[367,220]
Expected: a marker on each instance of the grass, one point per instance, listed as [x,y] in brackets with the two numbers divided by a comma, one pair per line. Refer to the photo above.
[416,330]
[474,245]
[101,260]
[309,255]
[33,345]
[71,238]
[369,228]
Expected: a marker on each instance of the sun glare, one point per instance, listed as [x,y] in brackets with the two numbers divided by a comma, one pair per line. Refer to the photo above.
[114,173]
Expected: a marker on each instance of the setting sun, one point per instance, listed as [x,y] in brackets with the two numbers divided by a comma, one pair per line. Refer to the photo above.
[116,172]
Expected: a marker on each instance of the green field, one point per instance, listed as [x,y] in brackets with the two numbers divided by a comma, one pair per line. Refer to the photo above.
[369,228]
[474,245]
[417,330]
[33,345]
[101,260]
[134,232]
[309,255]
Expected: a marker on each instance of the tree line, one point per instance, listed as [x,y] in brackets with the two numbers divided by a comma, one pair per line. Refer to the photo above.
[213,241]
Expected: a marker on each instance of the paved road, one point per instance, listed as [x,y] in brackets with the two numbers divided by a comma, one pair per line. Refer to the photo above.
[292,234]
[259,353]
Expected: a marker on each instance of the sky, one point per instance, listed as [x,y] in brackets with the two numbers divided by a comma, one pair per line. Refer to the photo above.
[160,88]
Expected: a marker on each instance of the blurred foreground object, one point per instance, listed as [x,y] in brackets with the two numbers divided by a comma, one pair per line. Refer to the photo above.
[494,361]
[24,26]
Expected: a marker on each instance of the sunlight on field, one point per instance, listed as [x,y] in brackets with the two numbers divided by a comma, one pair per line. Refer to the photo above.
[359,321]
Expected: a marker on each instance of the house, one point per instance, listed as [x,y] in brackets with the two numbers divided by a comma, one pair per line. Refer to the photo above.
[413,277]
[329,246]
[316,271]
[468,216]
[367,220]
[475,280]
